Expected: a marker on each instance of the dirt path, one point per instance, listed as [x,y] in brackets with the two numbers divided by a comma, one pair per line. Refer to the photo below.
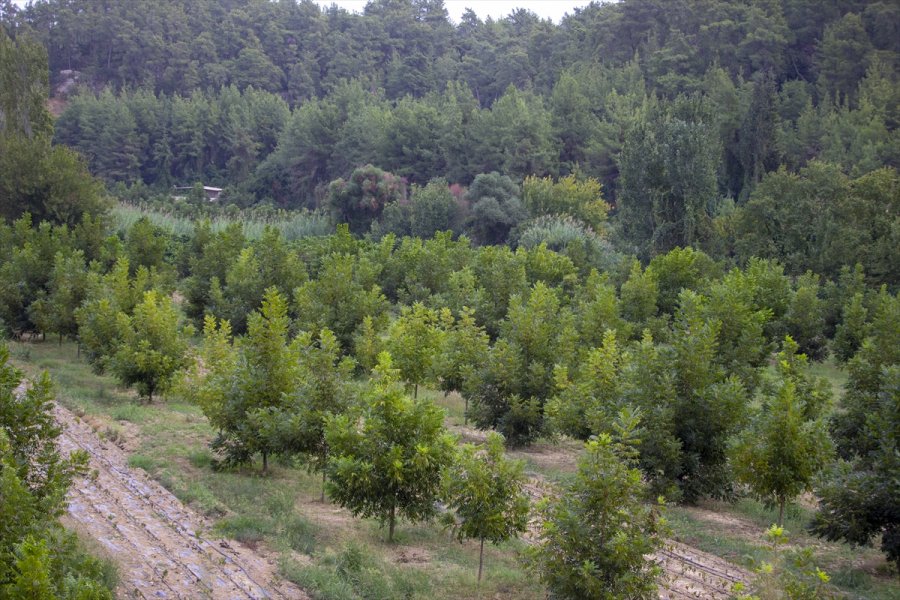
[155,540]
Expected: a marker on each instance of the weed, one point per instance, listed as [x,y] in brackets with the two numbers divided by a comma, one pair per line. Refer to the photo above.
[139,461]
[299,534]
[111,434]
[246,529]
[201,459]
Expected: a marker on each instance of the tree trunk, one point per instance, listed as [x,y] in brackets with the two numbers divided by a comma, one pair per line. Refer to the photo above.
[480,560]
[265,456]
[781,513]
[60,340]
[416,391]
[323,487]
[391,522]
[466,413]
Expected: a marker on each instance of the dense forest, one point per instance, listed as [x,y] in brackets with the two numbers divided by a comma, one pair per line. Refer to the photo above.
[636,228]
[277,99]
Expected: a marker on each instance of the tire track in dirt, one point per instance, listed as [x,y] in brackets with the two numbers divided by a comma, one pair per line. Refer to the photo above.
[153,537]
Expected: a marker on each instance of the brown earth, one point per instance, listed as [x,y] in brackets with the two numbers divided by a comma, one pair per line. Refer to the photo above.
[158,543]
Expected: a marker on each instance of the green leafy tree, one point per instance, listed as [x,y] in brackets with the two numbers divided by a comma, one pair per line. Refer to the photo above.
[680,269]
[343,294]
[487,493]
[50,182]
[779,454]
[145,245]
[98,332]
[25,86]
[598,533]
[583,407]
[258,374]
[414,340]
[268,262]
[106,296]
[668,186]
[153,346]
[433,209]
[209,256]
[362,198]
[858,494]
[499,275]
[742,347]
[510,390]
[387,463]
[709,405]
[647,388]
[851,332]
[580,198]
[367,344]
[597,309]
[805,318]
[66,290]
[38,558]
[496,207]
[464,348]
[638,296]
[324,389]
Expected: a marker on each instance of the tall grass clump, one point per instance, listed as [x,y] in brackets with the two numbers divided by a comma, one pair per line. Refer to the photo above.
[292,225]
[562,233]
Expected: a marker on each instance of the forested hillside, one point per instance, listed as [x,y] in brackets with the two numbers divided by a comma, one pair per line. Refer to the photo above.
[646,228]
[276,99]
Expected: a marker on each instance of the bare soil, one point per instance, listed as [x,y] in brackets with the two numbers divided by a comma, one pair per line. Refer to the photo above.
[158,543]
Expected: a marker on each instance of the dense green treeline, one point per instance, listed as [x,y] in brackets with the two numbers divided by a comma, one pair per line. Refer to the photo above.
[202,91]
[538,342]
[409,47]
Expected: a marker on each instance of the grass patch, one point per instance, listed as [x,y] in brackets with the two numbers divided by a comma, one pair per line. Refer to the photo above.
[831,371]
[299,534]
[132,413]
[246,529]
[139,461]
[745,545]
[356,573]
[334,556]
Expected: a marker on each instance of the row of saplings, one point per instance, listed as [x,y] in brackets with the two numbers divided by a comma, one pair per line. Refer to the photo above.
[385,453]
